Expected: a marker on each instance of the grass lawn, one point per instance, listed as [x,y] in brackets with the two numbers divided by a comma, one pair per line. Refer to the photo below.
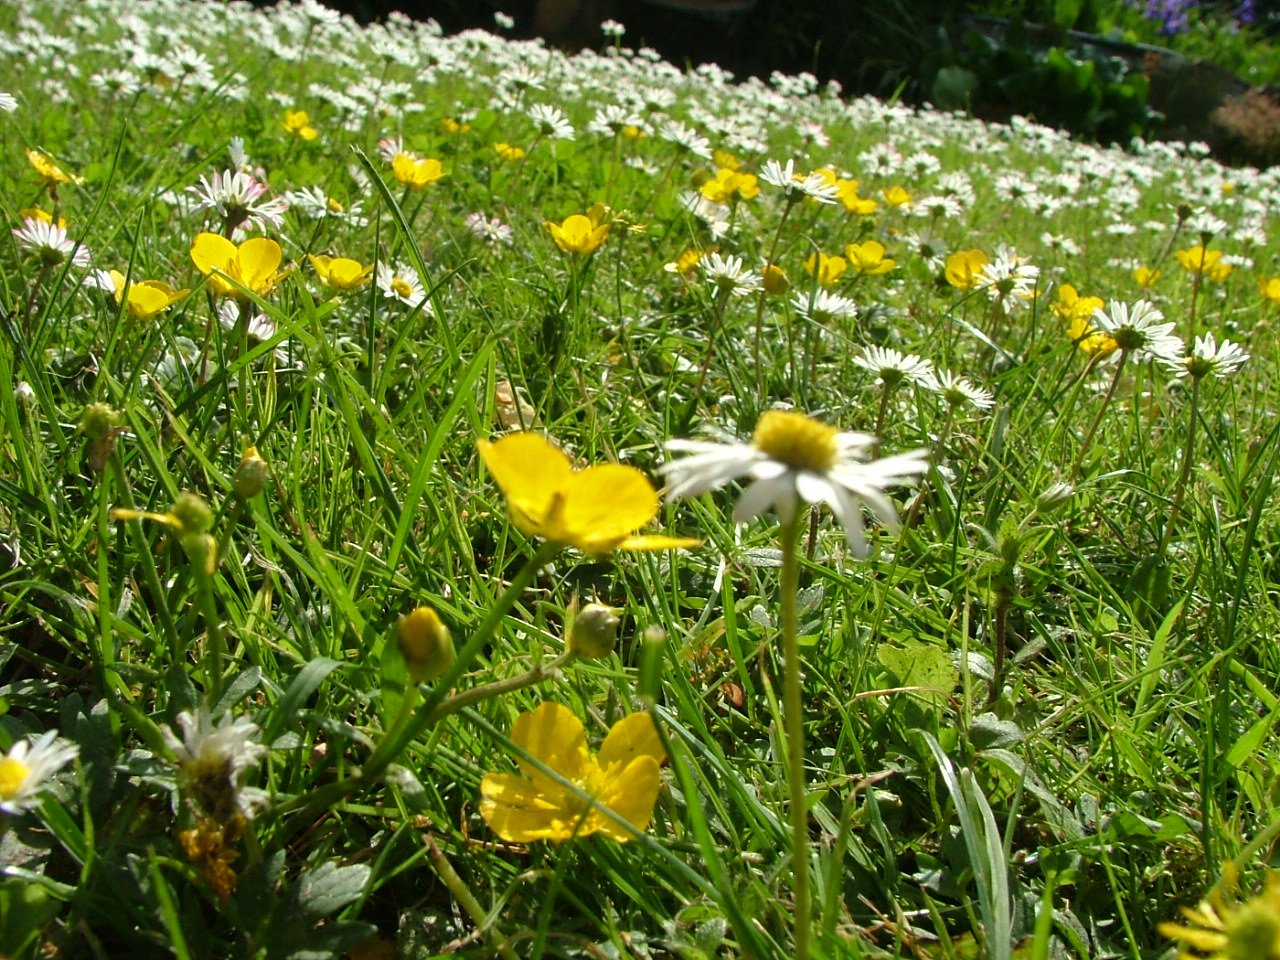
[460,498]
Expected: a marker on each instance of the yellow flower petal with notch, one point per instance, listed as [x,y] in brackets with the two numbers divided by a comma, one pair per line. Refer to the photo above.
[253,264]
[624,776]
[595,510]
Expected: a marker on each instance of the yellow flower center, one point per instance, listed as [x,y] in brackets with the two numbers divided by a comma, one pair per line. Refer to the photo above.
[402,288]
[800,442]
[13,774]
[1254,930]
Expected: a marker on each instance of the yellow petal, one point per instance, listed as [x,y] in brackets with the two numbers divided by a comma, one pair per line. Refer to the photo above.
[146,299]
[531,472]
[554,735]
[258,259]
[602,505]
[210,252]
[631,737]
[649,543]
[630,794]
[519,812]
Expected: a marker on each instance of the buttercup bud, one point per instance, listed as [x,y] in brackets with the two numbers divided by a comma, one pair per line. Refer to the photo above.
[99,424]
[1054,497]
[192,513]
[594,632]
[250,476]
[98,421]
[775,280]
[425,644]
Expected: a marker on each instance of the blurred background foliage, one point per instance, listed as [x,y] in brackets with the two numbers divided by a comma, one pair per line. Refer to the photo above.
[1107,70]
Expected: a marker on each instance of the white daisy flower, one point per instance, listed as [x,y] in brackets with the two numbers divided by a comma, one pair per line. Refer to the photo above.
[729,275]
[400,284]
[1208,357]
[26,768]
[957,391]
[1140,330]
[213,760]
[796,186]
[7,102]
[50,242]
[892,368]
[794,459]
[551,122]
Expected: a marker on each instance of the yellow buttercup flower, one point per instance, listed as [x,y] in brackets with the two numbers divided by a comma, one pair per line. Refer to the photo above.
[595,510]
[826,270]
[145,298]
[416,173]
[852,201]
[1077,312]
[1222,927]
[49,171]
[254,264]
[964,268]
[453,125]
[1208,263]
[774,280]
[868,258]
[624,776]
[298,122]
[723,158]
[507,152]
[1145,276]
[1269,287]
[578,234]
[896,196]
[340,273]
[729,185]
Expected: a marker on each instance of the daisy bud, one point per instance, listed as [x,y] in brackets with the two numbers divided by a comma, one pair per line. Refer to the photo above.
[24,394]
[594,632]
[250,476]
[425,644]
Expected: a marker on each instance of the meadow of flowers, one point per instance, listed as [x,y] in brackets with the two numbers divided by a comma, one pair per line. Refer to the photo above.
[457,497]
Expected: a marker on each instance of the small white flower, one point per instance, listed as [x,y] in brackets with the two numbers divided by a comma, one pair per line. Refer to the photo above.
[236,196]
[503,21]
[26,768]
[795,186]
[1208,357]
[824,306]
[686,138]
[729,275]
[400,284]
[1141,330]
[213,760]
[7,103]
[612,29]
[892,369]
[49,241]
[957,391]
[551,122]
[794,459]
[490,230]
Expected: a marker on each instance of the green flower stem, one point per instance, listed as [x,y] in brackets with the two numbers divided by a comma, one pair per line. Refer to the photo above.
[793,717]
[177,649]
[469,698]
[467,900]
[215,643]
[1197,281]
[768,261]
[402,735]
[1087,442]
[1185,473]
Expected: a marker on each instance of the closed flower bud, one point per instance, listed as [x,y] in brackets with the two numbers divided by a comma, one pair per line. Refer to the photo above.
[250,476]
[425,644]
[594,632]
[775,280]
[1056,496]
[100,424]
[98,421]
[192,513]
